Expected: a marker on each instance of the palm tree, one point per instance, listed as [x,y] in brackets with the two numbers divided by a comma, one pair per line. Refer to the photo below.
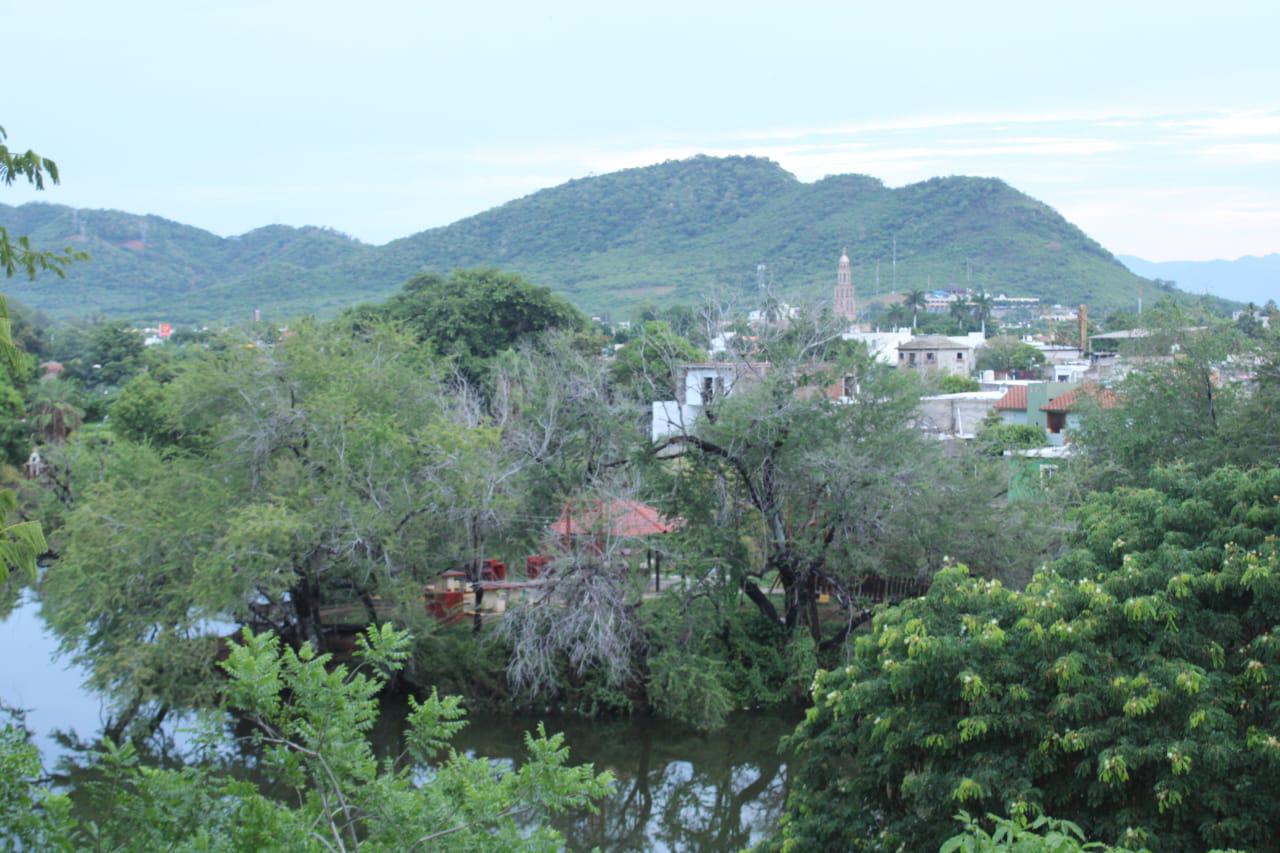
[982,305]
[54,410]
[915,300]
[897,315]
[961,310]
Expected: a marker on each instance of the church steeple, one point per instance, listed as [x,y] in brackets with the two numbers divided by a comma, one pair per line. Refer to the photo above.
[845,307]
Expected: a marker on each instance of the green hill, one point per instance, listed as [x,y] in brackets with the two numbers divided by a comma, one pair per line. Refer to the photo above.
[659,234]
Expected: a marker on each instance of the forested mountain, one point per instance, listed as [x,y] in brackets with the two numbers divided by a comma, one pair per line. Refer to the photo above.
[1248,279]
[660,233]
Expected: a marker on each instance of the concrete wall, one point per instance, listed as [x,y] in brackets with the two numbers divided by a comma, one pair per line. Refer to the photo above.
[956,415]
[671,418]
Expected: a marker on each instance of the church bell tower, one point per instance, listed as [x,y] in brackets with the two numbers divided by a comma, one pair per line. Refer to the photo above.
[845,307]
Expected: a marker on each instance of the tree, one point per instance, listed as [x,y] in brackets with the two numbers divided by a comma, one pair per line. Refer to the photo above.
[1180,404]
[16,253]
[472,315]
[21,543]
[572,437]
[982,307]
[138,413]
[15,435]
[809,475]
[309,720]
[914,300]
[118,350]
[1128,688]
[56,410]
[994,437]
[955,384]
[898,315]
[1021,835]
[1006,355]
[327,470]
[646,365]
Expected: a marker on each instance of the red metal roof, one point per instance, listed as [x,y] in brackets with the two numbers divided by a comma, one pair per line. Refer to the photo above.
[1014,399]
[1104,397]
[619,518]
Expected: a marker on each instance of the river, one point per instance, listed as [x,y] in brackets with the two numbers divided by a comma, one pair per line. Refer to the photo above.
[676,789]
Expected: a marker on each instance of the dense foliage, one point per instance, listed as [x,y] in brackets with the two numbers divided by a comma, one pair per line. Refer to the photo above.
[1129,687]
[810,476]
[309,720]
[472,315]
[1203,394]
[256,487]
[659,233]
[1004,355]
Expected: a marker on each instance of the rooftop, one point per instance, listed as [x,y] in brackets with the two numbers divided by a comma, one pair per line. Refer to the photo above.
[617,518]
[1105,397]
[1015,399]
[932,342]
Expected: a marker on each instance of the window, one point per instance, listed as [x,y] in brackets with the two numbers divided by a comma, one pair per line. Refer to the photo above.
[1047,471]
[928,356]
[959,356]
[1056,421]
[708,390]
[911,358]
[850,386]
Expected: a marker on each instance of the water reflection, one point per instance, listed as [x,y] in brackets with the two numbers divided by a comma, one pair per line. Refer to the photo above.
[676,789]
[33,679]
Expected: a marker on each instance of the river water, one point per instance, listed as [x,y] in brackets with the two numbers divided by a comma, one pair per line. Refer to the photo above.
[675,790]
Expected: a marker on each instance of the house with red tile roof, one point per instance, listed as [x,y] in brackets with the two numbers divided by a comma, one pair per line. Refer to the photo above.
[1063,412]
[1012,407]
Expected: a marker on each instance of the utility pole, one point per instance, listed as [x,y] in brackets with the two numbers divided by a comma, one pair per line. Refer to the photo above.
[895,263]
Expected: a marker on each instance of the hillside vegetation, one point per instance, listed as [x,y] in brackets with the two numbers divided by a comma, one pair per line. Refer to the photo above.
[658,234]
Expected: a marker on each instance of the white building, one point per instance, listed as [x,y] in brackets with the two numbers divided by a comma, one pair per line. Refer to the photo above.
[697,386]
[883,346]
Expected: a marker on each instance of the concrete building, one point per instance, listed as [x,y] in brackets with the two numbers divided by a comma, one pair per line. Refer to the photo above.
[956,415]
[883,345]
[697,386]
[936,354]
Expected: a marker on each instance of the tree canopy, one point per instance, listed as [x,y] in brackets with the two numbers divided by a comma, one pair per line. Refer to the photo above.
[472,315]
[1128,688]
[309,718]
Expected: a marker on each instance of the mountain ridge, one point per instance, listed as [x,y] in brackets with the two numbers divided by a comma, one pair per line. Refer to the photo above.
[661,233]
[1250,278]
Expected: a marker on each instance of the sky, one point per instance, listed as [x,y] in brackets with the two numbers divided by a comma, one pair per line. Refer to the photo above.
[1153,126]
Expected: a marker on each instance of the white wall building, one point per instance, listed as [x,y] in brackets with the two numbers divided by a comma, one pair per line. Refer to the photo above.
[697,385]
[883,345]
